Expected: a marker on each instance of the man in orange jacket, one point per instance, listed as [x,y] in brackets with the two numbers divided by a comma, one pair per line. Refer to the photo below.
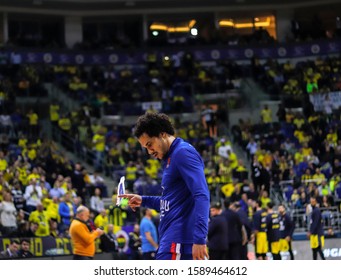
[83,238]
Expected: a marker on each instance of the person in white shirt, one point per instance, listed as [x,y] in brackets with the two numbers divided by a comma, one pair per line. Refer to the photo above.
[96,202]
[33,195]
[97,181]
[6,124]
[224,148]
[252,148]
[8,215]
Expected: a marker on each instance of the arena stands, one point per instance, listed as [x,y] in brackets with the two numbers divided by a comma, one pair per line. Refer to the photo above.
[263,113]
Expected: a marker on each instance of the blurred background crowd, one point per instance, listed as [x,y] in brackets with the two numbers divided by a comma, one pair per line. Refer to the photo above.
[267,128]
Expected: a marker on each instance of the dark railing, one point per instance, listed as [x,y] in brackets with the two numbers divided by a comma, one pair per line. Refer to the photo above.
[330,215]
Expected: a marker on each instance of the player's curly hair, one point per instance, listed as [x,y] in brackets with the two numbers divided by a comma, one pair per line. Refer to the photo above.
[153,124]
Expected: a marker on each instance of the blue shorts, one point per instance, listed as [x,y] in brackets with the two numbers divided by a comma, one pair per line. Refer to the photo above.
[173,256]
[177,251]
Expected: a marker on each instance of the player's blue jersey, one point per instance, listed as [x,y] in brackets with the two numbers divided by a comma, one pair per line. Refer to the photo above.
[184,203]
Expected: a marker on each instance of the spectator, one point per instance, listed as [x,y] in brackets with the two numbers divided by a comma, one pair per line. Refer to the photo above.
[97,181]
[8,214]
[67,210]
[24,251]
[40,217]
[208,115]
[33,195]
[78,181]
[12,250]
[82,236]
[98,141]
[96,202]
[101,220]
[135,243]
[149,238]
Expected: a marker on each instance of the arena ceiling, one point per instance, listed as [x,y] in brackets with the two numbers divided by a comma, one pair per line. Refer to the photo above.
[92,7]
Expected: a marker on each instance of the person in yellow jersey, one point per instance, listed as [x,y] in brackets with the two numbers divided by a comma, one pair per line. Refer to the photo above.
[151,170]
[64,123]
[266,114]
[233,160]
[3,162]
[318,177]
[98,141]
[33,121]
[101,220]
[82,236]
[22,141]
[52,209]
[131,175]
[21,171]
[40,216]
[54,112]
[117,214]
[34,174]
[264,198]
[214,183]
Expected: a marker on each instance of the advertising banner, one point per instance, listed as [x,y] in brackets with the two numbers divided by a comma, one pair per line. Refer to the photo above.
[199,53]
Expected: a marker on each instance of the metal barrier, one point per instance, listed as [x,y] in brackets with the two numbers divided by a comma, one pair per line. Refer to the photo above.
[331,215]
[331,218]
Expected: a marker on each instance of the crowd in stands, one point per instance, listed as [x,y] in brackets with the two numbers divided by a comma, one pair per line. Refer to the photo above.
[294,81]
[299,155]
[41,188]
[171,81]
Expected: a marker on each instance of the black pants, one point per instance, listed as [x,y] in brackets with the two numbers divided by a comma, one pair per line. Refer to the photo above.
[148,256]
[79,257]
[290,251]
[218,254]
[316,251]
[234,252]
[243,253]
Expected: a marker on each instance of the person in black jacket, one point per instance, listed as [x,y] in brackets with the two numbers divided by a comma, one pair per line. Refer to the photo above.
[234,226]
[247,229]
[316,233]
[217,233]
[135,243]
[78,182]
[24,251]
